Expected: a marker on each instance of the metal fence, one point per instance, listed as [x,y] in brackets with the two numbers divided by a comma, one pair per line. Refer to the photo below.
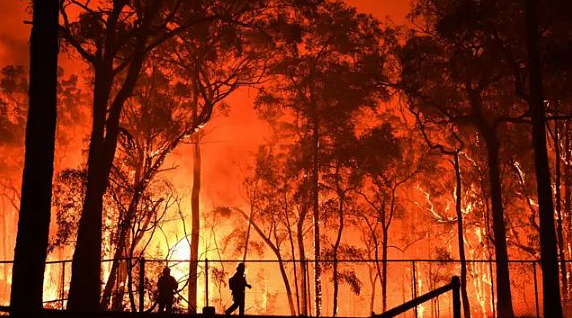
[359,286]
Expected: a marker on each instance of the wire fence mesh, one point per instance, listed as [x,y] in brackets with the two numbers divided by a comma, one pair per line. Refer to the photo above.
[288,287]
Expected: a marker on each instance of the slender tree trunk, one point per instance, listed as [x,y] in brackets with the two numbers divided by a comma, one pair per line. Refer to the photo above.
[557,199]
[303,265]
[548,251]
[384,244]
[335,250]
[276,250]
[121,279]
[293,251]
[372,279]
[568,194]
[195,232]
[460,235]
[124,228]
[504,302]
[286,285]
[316,210]
[36,195]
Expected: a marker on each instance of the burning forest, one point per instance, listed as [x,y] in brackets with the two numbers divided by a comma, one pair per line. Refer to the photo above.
[286,157]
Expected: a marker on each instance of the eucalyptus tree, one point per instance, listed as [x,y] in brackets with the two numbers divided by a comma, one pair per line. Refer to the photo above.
[333,66]
[386,168]
[116,38]
[454,74]
[212,61]
[36,195]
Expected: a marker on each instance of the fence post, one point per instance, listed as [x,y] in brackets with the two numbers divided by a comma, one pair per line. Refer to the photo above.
[63,285]
[414,277]
[535,288]
[207,281]
[456,284]
[141,284]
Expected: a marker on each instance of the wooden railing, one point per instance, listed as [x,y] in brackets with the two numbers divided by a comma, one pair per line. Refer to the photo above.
[454,286]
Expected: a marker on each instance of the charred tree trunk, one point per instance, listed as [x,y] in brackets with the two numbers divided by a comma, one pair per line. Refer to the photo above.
[504,303]
[86,265]
[557,199]
[548,252]
[195,231]
[384,245]
[372,279]
[341,197]
[568,192]
[316,210]
[120,249]
[293,251]
[460,235]
[36,196]
[85,288]
[303,265]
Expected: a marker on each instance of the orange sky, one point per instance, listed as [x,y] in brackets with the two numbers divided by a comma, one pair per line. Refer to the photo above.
[228,148]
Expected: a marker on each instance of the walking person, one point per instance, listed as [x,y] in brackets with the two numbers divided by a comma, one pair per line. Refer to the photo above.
[167,286]
[237,284]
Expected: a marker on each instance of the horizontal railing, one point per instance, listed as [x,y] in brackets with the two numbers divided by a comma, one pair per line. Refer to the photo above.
[407,278]
[453,286]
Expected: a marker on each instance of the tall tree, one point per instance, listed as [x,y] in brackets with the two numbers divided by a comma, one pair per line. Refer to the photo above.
[35,206]
[116,44]
[468,90]
[455,153]
[548,251]
[332,67]
[387,168]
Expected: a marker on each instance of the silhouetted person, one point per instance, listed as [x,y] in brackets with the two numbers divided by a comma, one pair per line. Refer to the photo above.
[237,284]
[167,286]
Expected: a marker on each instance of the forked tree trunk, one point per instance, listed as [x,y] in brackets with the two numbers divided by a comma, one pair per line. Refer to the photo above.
[85,286]
[276,250]
[36,195]
[548,252]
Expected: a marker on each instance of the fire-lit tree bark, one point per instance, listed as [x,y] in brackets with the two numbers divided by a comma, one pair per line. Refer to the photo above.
[275,247]
[302,255]
[195,226]
[548,251]
[460,235]
[34,218]
[558,205]
[463,100]
[315,173]
[458,206]
[312,82]
[85,286]
[157,22]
